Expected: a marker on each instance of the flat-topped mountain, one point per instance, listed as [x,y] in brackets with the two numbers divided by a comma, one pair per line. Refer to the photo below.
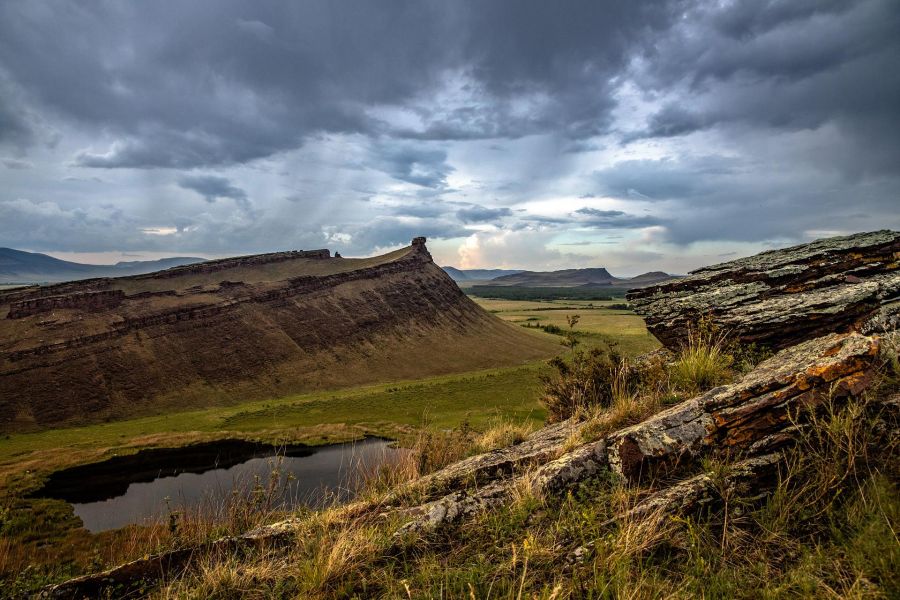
[594,277]
[18,266]
[459,275]
[238,329]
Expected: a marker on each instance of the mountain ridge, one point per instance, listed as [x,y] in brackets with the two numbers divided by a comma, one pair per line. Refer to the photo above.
[20,266]
[235,329]
[589,277]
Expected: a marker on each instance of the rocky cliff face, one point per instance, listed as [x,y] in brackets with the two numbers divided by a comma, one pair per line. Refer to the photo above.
[238,329]
[782,297]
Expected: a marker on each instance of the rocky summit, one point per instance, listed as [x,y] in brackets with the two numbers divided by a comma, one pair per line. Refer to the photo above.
[236,329]
[782,297]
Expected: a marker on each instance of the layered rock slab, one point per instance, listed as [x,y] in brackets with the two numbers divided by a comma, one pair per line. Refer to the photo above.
[753,417]
[783,297]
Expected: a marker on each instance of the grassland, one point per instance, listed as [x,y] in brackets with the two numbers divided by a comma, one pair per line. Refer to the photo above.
[600,322]
[45,536]
[388,409]
[45,533]
[392,409]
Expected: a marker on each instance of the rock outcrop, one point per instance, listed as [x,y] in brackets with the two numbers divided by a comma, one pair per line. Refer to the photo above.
[751,418]
[86,301]
[239,329]
[783,297]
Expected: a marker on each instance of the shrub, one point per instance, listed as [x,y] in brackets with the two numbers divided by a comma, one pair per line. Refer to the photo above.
[593,378]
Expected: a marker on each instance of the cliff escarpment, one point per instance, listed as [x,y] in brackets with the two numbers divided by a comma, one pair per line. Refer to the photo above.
[238,329]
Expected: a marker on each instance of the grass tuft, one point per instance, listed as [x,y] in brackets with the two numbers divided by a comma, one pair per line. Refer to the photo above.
[703,362]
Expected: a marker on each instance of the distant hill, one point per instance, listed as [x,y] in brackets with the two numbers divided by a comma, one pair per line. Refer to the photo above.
[563,278]
[652,277]
[584,283]
[18,266]
[477,274]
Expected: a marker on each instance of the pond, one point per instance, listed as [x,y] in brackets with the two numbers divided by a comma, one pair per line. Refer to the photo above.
[203,478]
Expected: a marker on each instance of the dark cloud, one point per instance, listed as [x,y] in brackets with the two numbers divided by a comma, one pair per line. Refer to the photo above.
[365,124]
[614,219]
[415,164]
[213,187]
[784,66]
[482,214]
[233,82]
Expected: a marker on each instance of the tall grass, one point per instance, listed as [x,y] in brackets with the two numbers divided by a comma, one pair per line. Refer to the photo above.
[703,361]
[829,529]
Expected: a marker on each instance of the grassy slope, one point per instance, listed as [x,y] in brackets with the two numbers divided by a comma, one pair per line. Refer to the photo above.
[829,530]
[321,417]
[395,409]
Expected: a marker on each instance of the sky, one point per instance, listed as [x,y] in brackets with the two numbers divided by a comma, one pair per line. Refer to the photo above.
[636,136]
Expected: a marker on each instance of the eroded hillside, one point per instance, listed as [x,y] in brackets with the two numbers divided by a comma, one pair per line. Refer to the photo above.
[240,328]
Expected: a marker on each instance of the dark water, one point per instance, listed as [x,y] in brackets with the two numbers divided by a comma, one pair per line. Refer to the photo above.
[151,484]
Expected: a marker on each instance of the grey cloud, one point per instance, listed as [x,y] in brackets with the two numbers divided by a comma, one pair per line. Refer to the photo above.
[394,231]
[482,214]
[381,121]
[429,209]
[614,219]
[661,179]
[15,163]
[419,165]
[258,29]
[213,187]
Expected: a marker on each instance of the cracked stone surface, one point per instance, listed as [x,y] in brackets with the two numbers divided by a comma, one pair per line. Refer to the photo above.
[783,297]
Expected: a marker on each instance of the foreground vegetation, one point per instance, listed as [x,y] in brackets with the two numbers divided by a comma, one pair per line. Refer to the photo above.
[828,530]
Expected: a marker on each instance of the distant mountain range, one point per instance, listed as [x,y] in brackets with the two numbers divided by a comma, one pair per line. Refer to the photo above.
[589,278]
[459,275]
[18,266]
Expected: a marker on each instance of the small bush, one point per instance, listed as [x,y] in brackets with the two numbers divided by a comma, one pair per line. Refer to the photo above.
[590,379]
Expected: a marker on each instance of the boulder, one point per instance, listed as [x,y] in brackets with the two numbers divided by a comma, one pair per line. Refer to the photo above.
[783,297]
[753,415]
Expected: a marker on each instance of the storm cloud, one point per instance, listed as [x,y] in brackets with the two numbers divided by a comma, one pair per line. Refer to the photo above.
[674,128]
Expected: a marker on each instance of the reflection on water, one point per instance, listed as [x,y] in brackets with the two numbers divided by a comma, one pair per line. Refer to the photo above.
[150,485]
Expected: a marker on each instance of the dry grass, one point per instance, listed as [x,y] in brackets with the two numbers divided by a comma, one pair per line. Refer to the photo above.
[829,530]
[502,433]
[703,362]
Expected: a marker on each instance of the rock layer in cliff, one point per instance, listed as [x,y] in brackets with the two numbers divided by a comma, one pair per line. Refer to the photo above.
[239,329]
[783,297]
